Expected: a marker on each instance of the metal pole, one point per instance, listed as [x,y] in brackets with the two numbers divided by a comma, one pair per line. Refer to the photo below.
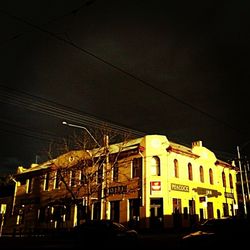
[14,196]
[105,174]
[246,177]
[241,179]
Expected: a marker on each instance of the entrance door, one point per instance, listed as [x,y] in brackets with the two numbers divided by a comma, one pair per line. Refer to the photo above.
[210,210]
[156,213]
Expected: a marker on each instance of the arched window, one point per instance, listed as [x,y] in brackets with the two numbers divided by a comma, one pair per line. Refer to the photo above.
[155,166]
[190,172]
[201,174]
[223,179]
[176,168]
[211,176]
[231,181]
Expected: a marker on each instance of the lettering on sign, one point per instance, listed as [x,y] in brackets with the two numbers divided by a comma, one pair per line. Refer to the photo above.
[117,190]
[207,192]
[179,187]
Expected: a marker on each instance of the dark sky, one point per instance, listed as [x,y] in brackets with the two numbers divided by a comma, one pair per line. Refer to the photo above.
[176,68]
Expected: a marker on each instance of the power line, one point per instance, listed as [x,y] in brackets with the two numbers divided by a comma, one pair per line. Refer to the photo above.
[18,129]
[26,134]
[143,82]
[42,105]
[72,12]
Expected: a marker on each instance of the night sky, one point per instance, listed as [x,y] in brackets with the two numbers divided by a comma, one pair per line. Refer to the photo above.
[176,68]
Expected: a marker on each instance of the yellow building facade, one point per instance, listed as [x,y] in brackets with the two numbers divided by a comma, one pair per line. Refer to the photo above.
[147,182]
[191,183]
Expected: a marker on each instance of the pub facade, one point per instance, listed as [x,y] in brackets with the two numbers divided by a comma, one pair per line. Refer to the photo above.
[148,182]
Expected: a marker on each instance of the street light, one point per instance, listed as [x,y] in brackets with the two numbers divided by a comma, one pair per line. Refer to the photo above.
[14,196]
[82,127]
[105,182]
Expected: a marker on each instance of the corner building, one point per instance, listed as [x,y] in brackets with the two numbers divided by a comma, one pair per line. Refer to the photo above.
[153,183]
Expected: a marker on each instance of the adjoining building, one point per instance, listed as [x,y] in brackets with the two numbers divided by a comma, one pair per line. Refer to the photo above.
[149,182]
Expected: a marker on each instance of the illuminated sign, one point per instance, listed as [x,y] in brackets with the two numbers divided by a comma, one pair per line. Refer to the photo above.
[179,187]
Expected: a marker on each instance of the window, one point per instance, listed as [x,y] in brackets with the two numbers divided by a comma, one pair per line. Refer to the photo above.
[137,167]
[190,171]
[57,179]
[72,179]
[191,204]
[155,166]
[115,211]
[28,185]
[201,174]
[134,210]
[225,210]
[20,216]
[231,181]
[211,176]
[46,181]
[223,179]
[115,172]
[176,206]
[41,214]
[176,168]
[97,210]
[100,174]
[177,211]
[49,211]
[82,177]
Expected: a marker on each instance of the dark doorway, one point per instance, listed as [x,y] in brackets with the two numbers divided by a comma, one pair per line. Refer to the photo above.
[156,213]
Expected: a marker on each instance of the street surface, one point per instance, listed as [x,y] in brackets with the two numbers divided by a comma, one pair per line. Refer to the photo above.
[167,240]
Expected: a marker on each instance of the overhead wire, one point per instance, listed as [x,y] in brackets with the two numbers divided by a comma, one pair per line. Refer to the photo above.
[86,3]
[92,122]
[38,104]
[117,68]
[13,127]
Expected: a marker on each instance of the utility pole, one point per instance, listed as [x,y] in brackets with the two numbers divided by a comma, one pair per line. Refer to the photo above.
[241,180]
[246,177]
[105,177]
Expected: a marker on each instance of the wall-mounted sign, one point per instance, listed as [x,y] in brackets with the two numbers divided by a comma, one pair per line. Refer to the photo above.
[179,187]
[229,195]
[203,199]
[207,192]
[117,190]
[155,186]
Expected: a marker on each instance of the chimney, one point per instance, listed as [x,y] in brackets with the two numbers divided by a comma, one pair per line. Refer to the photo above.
[197,144]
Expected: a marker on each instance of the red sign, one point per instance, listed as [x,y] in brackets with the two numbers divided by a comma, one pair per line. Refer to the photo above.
[155,185]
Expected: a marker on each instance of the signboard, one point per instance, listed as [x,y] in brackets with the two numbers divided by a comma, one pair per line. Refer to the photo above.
[117,190]
[155,186]
[207,192]
[229,195]
[179,187]
[203,199]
